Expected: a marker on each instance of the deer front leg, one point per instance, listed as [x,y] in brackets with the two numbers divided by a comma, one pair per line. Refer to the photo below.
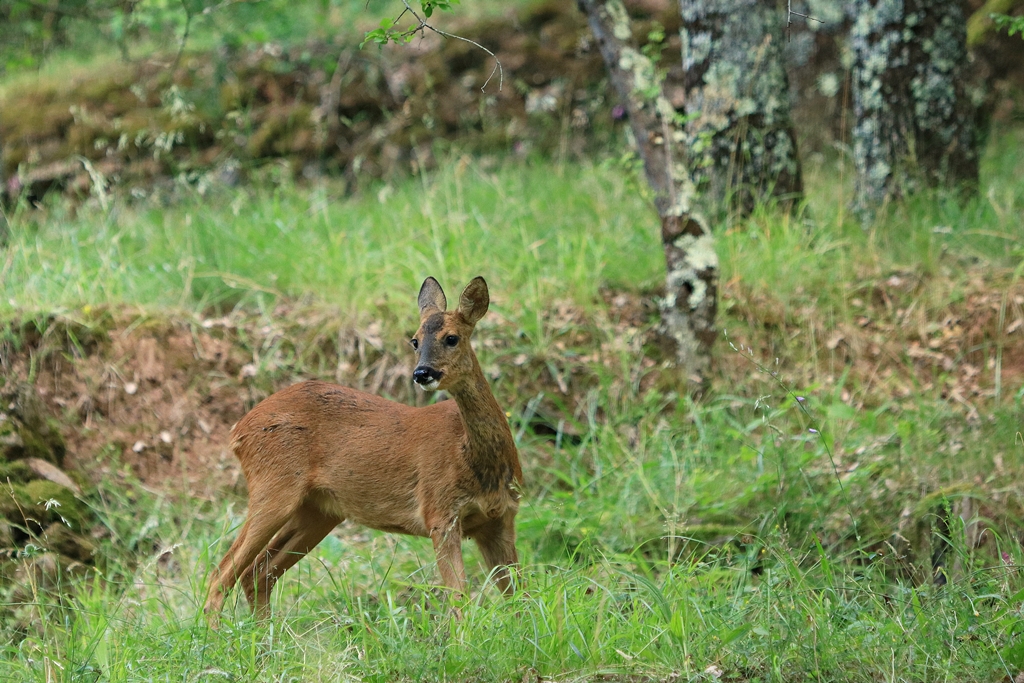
[447,539]
[497,542]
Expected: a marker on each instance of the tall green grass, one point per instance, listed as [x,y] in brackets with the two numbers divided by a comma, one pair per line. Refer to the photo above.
[817,255]
[541,233]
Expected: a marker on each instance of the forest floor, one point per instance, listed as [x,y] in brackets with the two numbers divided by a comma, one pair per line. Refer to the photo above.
[864,421]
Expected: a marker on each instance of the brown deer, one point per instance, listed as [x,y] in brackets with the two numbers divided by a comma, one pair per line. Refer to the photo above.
[315,454]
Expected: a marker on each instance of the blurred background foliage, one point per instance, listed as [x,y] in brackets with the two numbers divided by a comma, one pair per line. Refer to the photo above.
[203,91]
[33,31]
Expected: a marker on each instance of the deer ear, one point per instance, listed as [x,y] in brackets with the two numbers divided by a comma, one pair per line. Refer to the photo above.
[431,299]
[474,300]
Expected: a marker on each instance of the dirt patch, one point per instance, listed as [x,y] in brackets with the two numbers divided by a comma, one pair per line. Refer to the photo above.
[161,397]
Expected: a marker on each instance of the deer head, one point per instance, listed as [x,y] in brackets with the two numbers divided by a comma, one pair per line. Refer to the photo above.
[442,341]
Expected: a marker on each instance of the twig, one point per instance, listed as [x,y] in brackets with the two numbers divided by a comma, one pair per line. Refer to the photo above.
[444,34]
[789,19]
[190,15]
[497,62]
[184,35]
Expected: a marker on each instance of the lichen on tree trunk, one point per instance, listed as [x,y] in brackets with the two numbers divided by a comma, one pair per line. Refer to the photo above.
[914,120]
[691,293]
[740,139]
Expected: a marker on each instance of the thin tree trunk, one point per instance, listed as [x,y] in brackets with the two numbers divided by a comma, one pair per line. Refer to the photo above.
[914,118]
[742,148]
[691,291]
[4,228]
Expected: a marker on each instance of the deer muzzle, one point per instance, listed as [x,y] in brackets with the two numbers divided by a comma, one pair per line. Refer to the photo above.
[426,378]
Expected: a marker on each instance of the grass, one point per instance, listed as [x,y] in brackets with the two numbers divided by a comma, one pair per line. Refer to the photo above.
[544,233]
[752,536]
[562,242]
[771,607]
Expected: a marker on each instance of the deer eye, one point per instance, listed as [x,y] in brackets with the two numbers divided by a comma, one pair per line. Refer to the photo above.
[415,344]
[451,340]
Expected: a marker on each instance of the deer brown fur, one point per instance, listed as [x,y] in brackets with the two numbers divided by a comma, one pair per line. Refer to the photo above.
[316,453]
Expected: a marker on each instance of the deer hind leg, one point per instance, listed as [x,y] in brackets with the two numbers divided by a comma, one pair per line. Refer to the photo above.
[306,528]
[265,519]
[497,543]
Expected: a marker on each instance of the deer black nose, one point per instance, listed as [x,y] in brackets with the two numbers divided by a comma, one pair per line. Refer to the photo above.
[425,375]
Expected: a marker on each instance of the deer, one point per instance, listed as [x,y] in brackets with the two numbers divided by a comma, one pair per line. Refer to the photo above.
[316,454]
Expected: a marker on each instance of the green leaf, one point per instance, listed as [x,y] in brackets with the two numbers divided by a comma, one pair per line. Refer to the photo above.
[1013,25]
[732,634]
[377,35]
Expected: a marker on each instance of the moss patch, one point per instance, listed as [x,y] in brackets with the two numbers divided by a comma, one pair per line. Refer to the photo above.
[39,503]
[16,472]
[28,431]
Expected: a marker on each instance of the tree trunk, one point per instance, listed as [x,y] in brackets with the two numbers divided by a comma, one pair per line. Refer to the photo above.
[914,121]
[691,290]
[4,228]
[742,148]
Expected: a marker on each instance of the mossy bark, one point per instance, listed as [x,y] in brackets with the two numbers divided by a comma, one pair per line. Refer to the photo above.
[741,146]
[691,293]
[29,431]
[914,120]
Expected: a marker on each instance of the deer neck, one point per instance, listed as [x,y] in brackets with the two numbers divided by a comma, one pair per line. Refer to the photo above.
[490,448]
